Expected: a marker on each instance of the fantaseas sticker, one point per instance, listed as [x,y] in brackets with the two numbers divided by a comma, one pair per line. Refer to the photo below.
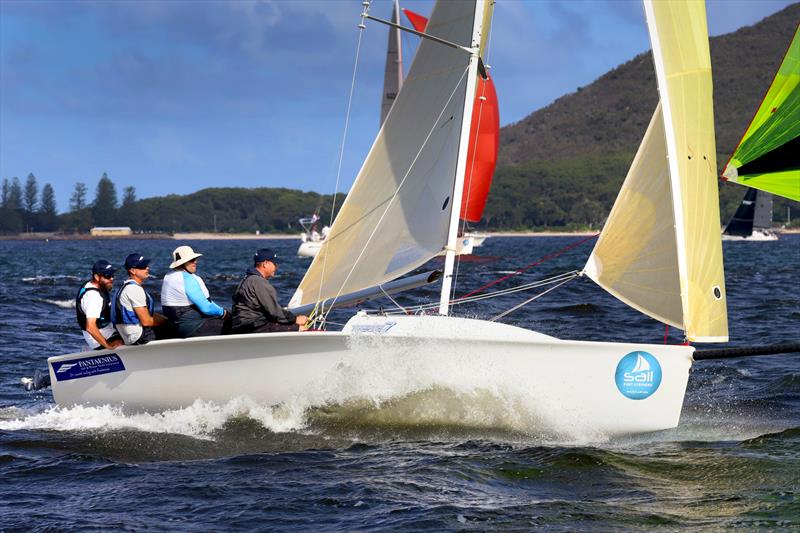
[638,375]
[87,366]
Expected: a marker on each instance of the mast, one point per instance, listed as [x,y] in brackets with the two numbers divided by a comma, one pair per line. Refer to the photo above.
[461,167]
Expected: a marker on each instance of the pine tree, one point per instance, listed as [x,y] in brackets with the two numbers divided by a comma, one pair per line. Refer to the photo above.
[14,195]
[78,199]
[47,209]
[104,208]
[128,196]
[31,194]
[6,191]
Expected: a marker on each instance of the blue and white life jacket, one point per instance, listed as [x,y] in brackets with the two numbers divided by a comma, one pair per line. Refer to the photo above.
[120,314]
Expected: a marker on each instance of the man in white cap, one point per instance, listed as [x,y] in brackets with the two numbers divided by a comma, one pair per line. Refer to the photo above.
[185,300]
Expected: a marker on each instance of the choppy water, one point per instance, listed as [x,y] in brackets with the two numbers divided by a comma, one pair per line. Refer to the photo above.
[430,461]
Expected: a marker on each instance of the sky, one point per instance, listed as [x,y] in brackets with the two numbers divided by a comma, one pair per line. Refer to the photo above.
[174,96]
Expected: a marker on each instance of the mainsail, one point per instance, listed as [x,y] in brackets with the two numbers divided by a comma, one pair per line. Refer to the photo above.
[484,140]
[768,156]
[397,215]
[660,250]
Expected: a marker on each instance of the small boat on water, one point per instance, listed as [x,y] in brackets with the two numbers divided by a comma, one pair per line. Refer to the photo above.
[660,252]
[310,239]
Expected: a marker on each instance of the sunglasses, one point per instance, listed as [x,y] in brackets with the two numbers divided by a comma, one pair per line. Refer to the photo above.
[107,276]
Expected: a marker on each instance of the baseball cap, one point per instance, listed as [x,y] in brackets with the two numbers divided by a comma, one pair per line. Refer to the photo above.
[136,261]
[103,267]
[266,254]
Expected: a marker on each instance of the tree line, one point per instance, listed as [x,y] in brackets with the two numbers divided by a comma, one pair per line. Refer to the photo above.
[25,209]
[574,193]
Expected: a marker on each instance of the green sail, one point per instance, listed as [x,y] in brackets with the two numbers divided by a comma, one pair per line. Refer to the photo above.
[768,156]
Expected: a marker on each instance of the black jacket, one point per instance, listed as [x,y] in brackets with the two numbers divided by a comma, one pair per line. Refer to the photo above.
[255,303]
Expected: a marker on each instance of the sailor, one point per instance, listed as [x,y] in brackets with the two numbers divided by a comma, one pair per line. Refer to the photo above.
[185,300]
[255,303]
[93,310]
[132,308]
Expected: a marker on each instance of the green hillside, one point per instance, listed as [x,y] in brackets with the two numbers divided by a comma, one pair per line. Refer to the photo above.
[576,151]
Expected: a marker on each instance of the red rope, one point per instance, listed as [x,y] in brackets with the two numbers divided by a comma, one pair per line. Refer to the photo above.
[528,267]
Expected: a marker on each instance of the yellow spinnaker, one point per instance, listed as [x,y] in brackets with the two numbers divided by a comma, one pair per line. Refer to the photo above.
[639,268]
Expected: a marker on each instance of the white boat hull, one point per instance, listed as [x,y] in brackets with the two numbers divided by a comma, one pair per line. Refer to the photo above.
[756,236]
[549,386]
[477,238]
[309,248]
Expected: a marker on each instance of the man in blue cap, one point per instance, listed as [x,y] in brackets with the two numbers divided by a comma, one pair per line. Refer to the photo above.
[93,311]
[133,309]
[255,303]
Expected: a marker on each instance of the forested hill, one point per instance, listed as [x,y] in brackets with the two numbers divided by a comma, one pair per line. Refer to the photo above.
[564,163]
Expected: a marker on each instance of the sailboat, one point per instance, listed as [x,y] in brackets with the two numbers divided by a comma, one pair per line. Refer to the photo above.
[768,155]
[752,221]
[660,252]
[310,238]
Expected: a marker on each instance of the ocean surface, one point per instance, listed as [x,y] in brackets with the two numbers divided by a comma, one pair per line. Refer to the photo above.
[425,462]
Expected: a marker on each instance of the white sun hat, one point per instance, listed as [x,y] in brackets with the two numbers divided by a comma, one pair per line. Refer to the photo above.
[183,254]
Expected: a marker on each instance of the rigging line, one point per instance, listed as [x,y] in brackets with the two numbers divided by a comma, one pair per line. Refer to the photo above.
[361,28]
[531,265]
[434,127]
[529,300]
[403,309]
[520,288]
[512,290]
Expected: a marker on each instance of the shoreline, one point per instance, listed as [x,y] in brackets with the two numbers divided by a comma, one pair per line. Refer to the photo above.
[208,236]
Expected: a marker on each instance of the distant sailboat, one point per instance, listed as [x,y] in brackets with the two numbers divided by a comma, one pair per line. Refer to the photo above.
[660,252]
[768,155]
[752,221]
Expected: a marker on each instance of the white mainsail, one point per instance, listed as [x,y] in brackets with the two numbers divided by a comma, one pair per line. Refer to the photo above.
[661,249]
[397,215]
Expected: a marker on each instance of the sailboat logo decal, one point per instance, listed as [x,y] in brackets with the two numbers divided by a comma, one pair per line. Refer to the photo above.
[638,375]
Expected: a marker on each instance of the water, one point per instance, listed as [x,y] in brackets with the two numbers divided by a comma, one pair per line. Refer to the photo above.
[430,461]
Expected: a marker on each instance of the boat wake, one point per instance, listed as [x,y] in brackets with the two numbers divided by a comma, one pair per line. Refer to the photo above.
[63,304]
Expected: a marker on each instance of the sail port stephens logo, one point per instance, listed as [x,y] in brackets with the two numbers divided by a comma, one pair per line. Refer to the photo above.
[87,366]
[638,375]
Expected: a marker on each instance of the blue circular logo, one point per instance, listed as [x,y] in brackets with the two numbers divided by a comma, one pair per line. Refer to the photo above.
[638,375]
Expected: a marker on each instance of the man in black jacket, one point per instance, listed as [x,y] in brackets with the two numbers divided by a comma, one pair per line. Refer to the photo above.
[255,303]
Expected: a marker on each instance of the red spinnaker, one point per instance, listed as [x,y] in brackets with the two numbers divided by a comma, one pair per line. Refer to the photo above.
[483,143]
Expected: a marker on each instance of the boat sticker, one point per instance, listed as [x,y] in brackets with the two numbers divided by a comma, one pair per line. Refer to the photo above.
[638,375]
[374,328]
[87,366]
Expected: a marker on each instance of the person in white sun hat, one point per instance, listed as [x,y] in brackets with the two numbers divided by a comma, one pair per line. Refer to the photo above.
[185,300]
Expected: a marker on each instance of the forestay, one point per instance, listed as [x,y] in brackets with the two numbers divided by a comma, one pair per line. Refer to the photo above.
[661,250]
[397,214]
